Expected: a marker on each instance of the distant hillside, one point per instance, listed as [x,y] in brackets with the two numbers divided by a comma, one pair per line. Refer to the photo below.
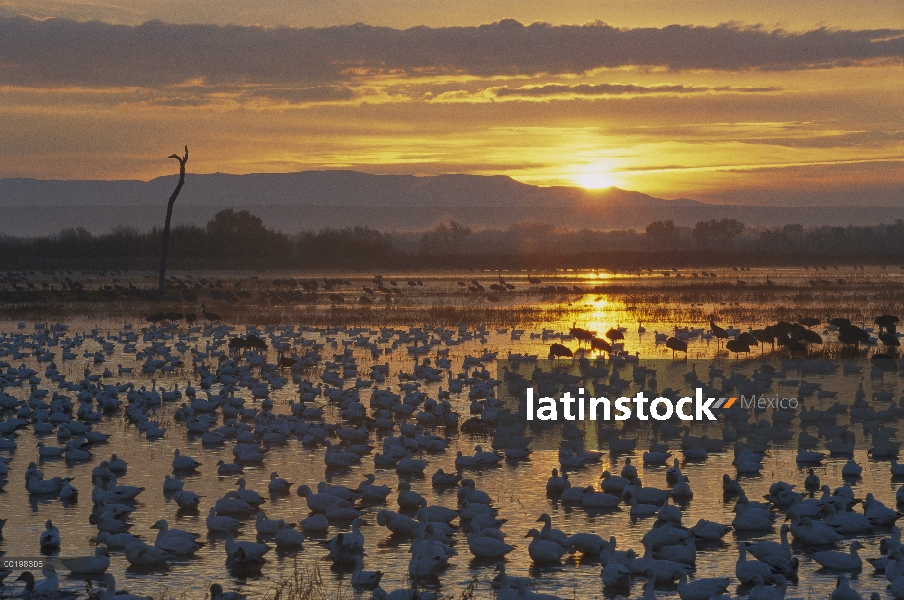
[312,188]
[313,199]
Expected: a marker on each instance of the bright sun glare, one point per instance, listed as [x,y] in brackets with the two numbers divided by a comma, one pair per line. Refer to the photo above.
[595,180]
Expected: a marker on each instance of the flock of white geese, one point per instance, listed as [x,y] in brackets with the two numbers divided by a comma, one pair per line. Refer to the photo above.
[230,405]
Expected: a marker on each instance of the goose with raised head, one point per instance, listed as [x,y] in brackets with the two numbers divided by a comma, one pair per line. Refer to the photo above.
[320,503]
[840,561]
[175,541]
[550,534]
[265,526]
[747,570]
[249,496]
[372,493]
[556,483]
[843,590]
[46,589]
[288,537]
[775,554]
[278,485]
[50,537]
[362,579]
[221,523]
[544,551]
[182,462]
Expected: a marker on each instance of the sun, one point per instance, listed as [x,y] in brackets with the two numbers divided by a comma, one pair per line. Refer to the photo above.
[594,178]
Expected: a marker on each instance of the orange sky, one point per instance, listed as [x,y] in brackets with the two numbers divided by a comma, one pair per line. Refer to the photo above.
[719,111]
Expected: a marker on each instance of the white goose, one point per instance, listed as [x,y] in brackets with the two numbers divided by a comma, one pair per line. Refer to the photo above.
[365,579]
[111,594]
[544,551]
[90,565]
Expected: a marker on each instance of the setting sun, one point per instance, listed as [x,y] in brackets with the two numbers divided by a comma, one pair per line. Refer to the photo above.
[595,180]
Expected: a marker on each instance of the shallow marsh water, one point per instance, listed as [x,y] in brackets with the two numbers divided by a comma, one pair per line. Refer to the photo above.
[517,488]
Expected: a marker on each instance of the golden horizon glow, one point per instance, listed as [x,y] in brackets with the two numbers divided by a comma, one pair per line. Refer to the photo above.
[713,133]
[595,180]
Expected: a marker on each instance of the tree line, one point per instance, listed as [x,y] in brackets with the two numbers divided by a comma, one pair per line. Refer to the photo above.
[239,240]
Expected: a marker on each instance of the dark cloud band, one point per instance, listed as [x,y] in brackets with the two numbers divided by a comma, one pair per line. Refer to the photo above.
[62,52]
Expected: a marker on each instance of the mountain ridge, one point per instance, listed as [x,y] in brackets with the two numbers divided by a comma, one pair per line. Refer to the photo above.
[315,188]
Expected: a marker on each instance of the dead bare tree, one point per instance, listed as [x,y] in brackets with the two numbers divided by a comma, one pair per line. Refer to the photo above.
[161,284]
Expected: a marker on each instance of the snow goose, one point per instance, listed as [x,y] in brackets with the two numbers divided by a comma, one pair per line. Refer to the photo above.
[317,523]
[550,534]
[709,530]
[840,561]
[90,565]
[701,589]
[408,498]
[221,524]
[763,592]
[287,537]
[175,541]
[556,483]
[50,537]
[249,496]
[182,462]
[747,570]
[587,543]
[843,590]
[484,546]
[397,523]
[544,551]
[172,484]
[616,575]
[365,579]
[264,525]
[278,485]
[111,593]
[372,493]
[139,553]
[244,550]
[116,541]
[320,502]
[217,593]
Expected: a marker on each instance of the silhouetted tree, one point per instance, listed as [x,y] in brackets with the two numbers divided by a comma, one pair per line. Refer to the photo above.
[662,232]
[444,239]
[228,222]
[715,234]
[161,282]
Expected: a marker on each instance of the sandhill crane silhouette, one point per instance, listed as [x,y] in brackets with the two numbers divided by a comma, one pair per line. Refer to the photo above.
[852,335]
[887,322]
[558,351]
[808,322]
[676,345]
[737,346]
[600,345]
[615,334]
[766,335]
[580,334]
[209,315]
[718,332]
